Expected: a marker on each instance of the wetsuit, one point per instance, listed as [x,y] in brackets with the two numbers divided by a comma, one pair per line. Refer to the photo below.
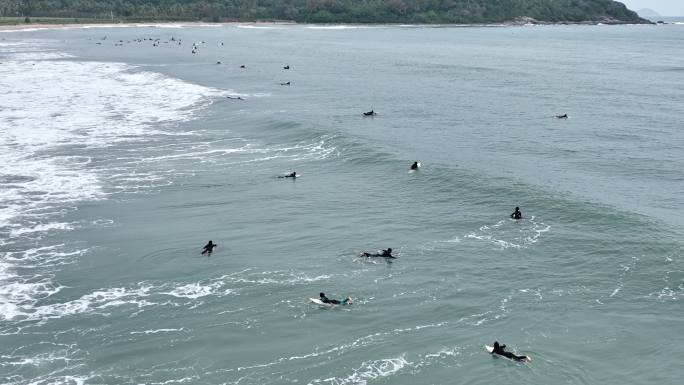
[499,349]
[334,301]
[208,248]
[414,166]
[384,254]
[516,215]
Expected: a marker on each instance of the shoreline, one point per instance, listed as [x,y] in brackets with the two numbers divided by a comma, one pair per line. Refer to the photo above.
[180,24]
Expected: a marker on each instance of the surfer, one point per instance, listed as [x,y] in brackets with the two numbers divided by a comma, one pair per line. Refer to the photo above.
[564,116]
[369,113]
[235,97]
[516,214]
[287,67]
[324,299]
[243,66]
[384,254]
[285,84]
[293,174]
[208,248]
[499,349]
[414,166]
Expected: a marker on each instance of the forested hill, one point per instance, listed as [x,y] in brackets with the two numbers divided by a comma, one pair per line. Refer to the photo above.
[330,11]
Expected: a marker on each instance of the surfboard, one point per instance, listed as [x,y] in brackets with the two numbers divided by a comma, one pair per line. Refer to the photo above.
[321,303]
[490,349]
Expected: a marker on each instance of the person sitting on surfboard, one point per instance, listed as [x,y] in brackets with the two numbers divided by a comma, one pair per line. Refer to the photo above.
[208,248]
[499,349]
[384,254]
[414,166]
[324,299]
[516,214]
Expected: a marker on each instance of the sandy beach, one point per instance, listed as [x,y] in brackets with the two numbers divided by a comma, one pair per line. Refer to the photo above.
[160,24]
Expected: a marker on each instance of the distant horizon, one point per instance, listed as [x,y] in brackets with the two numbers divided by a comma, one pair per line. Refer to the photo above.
[665,8]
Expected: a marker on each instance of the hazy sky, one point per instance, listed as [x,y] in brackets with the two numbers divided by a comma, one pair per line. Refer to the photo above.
[663,7]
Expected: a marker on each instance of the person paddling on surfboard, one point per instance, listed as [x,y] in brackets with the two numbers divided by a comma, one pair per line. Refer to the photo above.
[499,349]
[293,174]
[415,166]
[516,214]
[324,299]
[208,248]
[564,116]
[384,254]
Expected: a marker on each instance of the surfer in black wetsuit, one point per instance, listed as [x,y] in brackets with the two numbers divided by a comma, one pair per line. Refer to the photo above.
[293,174]
[414,166]
[208,248]
[285,84]
[384,254]
[499,349]
[324,299]
[369,113]
[516,214]
[564,116]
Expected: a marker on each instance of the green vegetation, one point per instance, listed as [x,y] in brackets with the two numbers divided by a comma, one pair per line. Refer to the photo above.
[325,11]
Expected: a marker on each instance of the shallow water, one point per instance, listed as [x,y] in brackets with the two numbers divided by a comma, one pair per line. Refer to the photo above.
[119,162]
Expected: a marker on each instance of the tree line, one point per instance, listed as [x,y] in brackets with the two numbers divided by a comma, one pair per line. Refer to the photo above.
[327,11]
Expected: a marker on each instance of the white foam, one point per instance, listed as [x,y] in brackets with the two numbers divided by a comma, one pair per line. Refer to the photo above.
[42,228]
[516,234]
[20,300]
[31,56]
[155,331]
[369,370]
[252,26]
[106,26]
[197,290]
[50,107]
[98,300]
[89,104]
[339,27]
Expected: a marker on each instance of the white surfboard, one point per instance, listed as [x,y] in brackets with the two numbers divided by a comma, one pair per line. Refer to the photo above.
[287,176]
[321,303]
[490,349]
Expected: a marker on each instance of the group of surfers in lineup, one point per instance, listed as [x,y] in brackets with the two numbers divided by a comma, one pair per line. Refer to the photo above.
[497,349]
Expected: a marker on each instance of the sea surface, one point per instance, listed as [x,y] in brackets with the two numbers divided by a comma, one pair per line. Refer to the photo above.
[122,153]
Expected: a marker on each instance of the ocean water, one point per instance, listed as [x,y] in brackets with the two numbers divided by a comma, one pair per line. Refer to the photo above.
[120,159]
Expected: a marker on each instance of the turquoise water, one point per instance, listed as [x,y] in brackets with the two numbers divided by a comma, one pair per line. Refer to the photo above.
[119,163]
